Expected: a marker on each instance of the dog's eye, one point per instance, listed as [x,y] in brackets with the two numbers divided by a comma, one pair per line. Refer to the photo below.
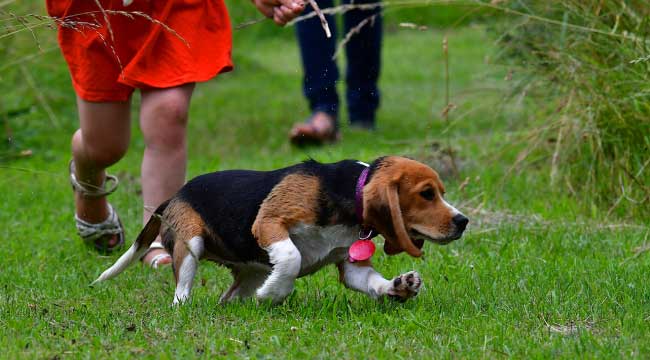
[427,194]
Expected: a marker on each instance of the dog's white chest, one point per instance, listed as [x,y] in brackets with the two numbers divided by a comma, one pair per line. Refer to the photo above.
[320,246]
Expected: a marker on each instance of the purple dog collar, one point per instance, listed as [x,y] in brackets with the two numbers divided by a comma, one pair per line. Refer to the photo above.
[358,195]
[365,233]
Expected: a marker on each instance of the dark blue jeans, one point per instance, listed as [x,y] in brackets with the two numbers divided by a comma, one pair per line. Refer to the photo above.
[363,53]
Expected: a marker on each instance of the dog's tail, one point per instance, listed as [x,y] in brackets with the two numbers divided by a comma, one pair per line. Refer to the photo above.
[139,247]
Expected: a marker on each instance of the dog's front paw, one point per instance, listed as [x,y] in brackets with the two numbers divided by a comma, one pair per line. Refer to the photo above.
[405,286]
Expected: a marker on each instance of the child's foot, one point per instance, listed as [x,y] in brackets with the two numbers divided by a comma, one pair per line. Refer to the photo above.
[156,256]
[96,221]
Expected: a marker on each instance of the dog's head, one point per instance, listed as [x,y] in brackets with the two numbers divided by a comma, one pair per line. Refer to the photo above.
[404,202]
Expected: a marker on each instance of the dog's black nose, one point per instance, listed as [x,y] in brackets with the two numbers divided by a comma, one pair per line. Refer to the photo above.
[460,221]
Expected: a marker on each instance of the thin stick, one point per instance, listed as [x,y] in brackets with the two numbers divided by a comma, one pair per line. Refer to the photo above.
[108,23]
[248,23]
[341,9]
[355,30]
[323,21]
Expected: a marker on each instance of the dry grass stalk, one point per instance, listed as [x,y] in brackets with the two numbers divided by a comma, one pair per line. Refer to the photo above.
[6,2]
[71,22]
[23,23]
[355,30]
[448,106]
[555,160]
[105,16]
[39,96]
[570,328]
[134,14]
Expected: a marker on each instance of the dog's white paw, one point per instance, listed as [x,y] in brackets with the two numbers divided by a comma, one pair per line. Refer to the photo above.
[405,286]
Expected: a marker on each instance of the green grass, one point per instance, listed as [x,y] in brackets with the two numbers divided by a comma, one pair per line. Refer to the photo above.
[593,82]
[529,268]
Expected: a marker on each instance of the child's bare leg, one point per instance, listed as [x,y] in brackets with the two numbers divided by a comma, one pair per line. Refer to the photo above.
[163,120]
[101,141]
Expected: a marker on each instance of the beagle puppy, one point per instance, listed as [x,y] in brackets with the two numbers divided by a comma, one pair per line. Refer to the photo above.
[273,227]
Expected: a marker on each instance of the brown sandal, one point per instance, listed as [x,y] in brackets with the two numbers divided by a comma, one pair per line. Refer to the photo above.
[309,133]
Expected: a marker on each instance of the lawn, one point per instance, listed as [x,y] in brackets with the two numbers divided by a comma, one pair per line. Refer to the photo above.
[536,275]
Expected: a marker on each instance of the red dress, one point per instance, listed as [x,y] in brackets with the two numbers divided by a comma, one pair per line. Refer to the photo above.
[193,45]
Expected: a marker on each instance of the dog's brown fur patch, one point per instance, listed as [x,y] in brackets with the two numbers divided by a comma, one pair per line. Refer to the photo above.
[293,200]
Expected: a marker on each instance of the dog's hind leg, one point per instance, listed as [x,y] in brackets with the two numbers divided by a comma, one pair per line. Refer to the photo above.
[246,282]
[186,260]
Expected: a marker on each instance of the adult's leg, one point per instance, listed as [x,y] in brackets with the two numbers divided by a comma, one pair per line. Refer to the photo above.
[363,53]
[163,120]
[101,141]
[320,71]
[320,77]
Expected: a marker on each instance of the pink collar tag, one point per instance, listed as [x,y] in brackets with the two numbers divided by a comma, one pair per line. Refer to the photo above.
[361,250]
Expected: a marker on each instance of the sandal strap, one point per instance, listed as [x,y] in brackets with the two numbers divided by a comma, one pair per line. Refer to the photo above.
[156,245]
[91,232]
[90,190]
[156,259]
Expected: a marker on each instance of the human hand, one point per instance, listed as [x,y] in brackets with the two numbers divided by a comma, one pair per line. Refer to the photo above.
[281,11]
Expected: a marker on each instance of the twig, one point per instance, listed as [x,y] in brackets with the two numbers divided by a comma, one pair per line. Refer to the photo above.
[355,30]
[24,23]
[248,23]
[341,9]
[39,96]
[131,14]
[108,23]
[323,21]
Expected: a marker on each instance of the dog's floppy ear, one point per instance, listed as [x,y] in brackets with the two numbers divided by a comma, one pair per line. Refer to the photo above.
[382,211]
[403,239]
